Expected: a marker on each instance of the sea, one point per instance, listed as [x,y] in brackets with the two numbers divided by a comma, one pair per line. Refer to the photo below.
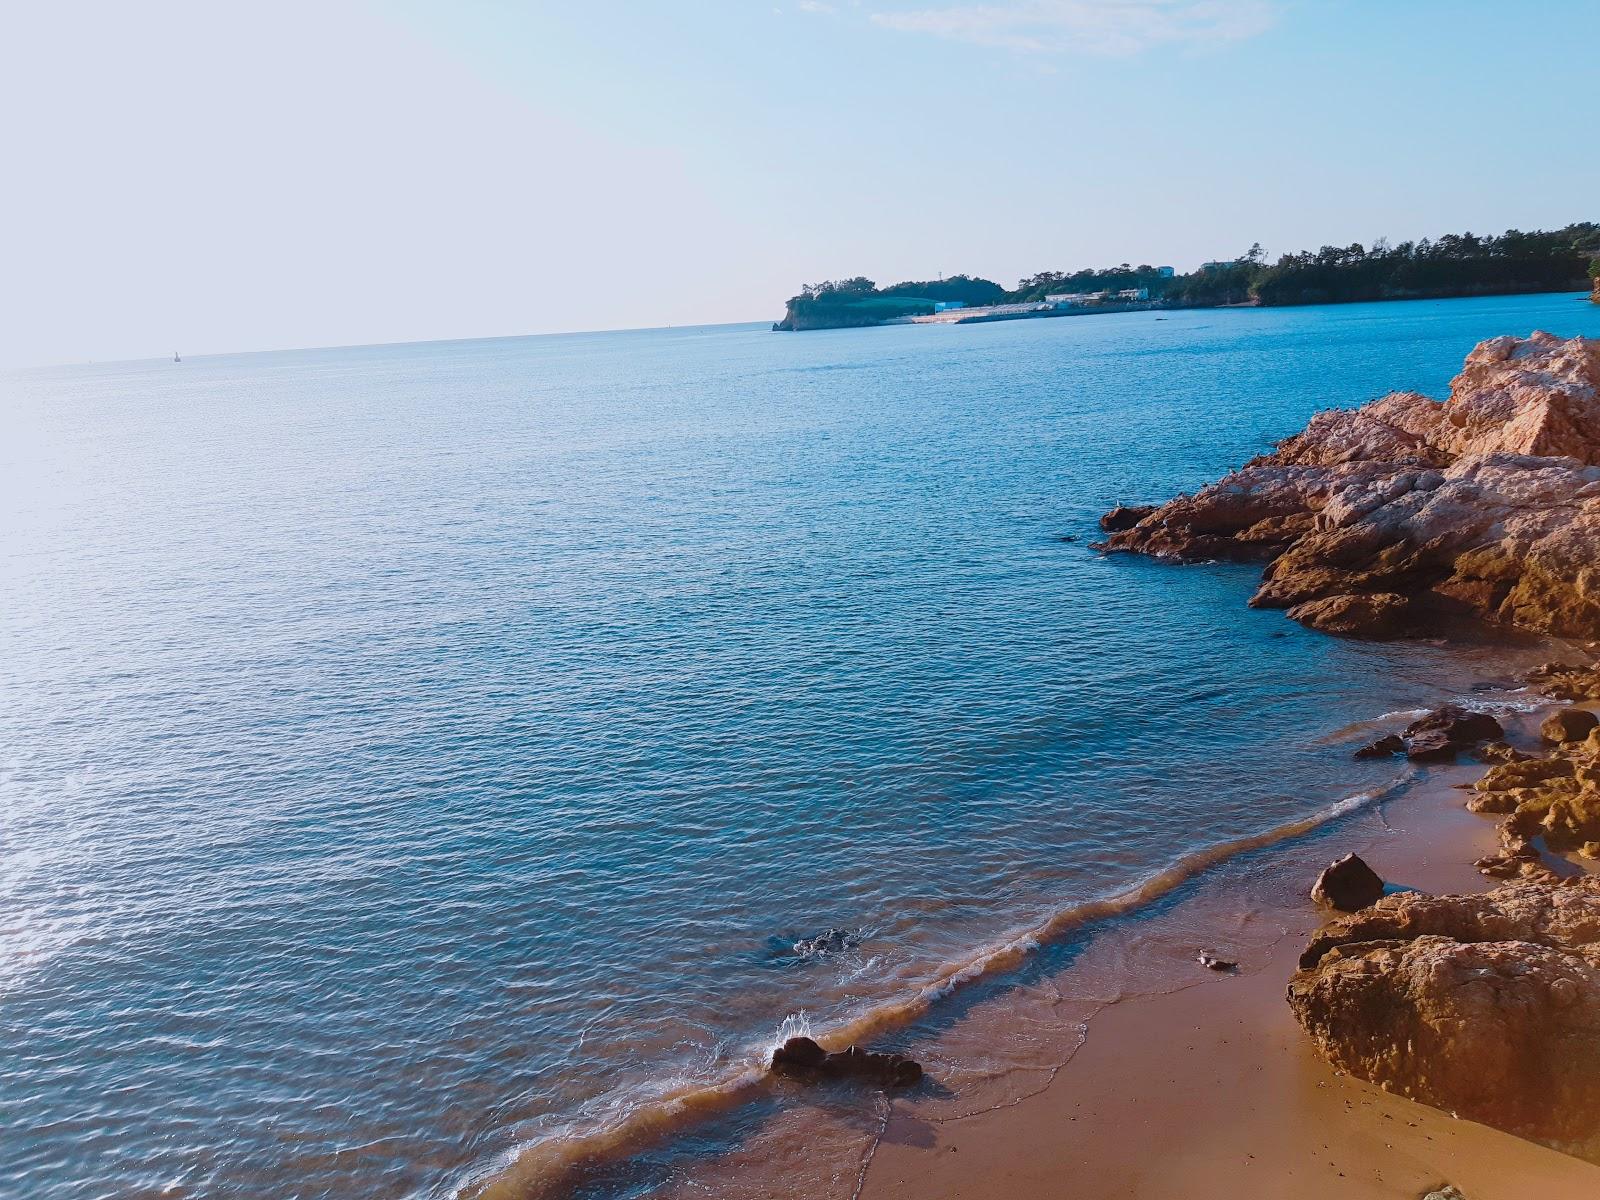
[444,770]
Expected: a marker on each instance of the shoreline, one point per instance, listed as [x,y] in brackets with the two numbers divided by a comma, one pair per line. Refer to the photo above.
[1212,1068]
[1219,1075]
[978,317]
[1135,1025]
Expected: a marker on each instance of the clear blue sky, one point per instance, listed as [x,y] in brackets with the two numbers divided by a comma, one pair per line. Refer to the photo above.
[204,176]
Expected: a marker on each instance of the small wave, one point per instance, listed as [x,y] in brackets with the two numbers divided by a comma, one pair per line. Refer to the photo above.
[1511,700]
[1347,733]
[545,1168]
[1524,702]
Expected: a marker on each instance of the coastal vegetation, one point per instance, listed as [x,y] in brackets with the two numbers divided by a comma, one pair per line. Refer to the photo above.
[1466,264]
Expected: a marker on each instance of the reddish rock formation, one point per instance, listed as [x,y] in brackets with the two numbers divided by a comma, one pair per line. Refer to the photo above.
[1125,517]
[1379,519]
[1487,1006]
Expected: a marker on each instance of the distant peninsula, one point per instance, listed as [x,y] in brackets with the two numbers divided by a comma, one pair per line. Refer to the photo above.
[1453,265]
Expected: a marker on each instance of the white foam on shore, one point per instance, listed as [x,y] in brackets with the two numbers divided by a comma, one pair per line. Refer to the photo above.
[547,1167]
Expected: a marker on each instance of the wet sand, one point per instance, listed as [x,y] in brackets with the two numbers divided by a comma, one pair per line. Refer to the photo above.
[1212,1090]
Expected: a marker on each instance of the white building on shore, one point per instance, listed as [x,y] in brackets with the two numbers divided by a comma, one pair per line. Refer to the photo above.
[1077,299]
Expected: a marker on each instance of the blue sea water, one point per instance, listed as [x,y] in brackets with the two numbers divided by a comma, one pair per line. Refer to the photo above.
[413,754]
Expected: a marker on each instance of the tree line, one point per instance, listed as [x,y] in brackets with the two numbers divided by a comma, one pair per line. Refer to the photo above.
[1451,265]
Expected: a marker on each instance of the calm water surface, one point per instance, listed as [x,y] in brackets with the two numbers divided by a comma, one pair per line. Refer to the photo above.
[409,754]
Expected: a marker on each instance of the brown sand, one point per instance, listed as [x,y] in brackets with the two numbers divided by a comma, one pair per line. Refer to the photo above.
[1213,1091]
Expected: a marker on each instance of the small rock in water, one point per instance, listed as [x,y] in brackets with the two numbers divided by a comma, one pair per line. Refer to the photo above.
[1445,732]
[1348,884]
[1385,747]
[803,1057]
[1447,1192]
[1212,962]
[1068,537]
[829,941]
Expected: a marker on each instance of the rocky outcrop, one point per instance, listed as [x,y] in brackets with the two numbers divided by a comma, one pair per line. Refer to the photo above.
[1566,681]
[1555,798]
[830,941]
[1487,1006]
[1387,746]
[1379,520]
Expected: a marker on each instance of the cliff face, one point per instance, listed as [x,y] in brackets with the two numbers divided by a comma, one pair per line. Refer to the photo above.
[1387,518]
[830,317]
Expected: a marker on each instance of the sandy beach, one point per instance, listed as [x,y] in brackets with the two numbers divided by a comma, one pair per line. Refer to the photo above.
[1212,1090]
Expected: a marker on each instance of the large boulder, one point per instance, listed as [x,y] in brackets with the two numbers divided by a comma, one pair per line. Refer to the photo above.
[1408,510]
[1347,884]
[1487,1006]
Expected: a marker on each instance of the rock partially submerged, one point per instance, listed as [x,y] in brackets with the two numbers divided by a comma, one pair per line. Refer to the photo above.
[1347,884]
[1392,517]
[829,941]
[804,1058]
[1125,516]
[1445,732]
[1485,1005]
[1387,746]
[1440,736]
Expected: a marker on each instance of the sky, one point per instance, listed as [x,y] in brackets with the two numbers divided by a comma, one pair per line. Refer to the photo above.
[203,176]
